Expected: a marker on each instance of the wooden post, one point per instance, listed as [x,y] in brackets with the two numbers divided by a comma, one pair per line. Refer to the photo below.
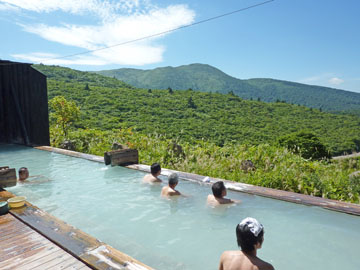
[7,177]
[121,157]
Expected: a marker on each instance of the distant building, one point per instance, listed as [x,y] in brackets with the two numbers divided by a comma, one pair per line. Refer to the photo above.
[24,117]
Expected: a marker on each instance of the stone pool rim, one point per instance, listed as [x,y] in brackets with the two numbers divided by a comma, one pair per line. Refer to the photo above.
[288,196]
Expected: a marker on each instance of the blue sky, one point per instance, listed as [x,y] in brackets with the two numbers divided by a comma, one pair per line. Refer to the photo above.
[307,41]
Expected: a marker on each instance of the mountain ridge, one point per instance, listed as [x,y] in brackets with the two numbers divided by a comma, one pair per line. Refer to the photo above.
[206,78]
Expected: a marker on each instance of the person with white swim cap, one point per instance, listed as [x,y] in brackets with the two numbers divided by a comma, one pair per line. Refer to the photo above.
[250,237]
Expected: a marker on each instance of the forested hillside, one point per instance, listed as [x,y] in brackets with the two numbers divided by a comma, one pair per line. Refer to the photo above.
[206,78]
[192,116]
[67,75]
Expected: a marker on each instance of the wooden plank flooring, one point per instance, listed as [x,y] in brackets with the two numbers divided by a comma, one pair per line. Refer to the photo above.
[22,248]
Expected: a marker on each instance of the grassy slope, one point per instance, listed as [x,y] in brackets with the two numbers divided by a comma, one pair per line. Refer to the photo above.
[218,118]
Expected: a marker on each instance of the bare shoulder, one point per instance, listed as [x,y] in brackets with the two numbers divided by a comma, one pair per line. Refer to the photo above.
[149,178]
[173,192]
[211,200]
[164,190]
[230,253]
[226,201]
[269,266]
[264,265]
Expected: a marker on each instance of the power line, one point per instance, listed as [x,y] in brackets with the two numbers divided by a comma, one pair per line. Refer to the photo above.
[164,32]
[161,33]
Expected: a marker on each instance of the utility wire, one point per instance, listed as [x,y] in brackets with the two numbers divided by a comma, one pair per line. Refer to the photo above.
[159,34]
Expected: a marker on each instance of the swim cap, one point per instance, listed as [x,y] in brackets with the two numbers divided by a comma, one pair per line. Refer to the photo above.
[254,225]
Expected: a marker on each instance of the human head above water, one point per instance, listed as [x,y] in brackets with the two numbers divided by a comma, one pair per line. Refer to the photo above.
[23,173]
[249,233]
[219,189]
[155,169]
[173,179]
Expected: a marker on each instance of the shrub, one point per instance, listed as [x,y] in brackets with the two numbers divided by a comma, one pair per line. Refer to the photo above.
[306,144]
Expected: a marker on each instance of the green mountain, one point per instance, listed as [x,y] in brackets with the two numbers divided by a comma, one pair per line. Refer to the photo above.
[193,116]
[206,78]
[67,75]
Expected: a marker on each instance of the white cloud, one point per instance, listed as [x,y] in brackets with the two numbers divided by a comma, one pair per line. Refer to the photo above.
[137,55]
[103,8]
[324,79]
[336,81]
[316,79]
[120,22]
[6,6]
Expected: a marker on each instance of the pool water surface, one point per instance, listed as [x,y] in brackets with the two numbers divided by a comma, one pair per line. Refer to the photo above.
[112,204]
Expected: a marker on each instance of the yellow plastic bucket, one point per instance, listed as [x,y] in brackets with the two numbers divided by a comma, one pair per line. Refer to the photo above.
[17,201]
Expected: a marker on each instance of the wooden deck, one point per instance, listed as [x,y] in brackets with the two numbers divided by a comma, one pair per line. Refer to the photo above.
[22,248]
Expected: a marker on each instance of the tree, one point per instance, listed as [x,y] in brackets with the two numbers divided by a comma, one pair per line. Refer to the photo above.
[306,144]
[87,87]
[149,91]
[191,103]
[64,112]
[170,90]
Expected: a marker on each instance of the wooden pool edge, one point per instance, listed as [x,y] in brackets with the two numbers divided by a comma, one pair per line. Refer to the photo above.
[89,250]
[339,206]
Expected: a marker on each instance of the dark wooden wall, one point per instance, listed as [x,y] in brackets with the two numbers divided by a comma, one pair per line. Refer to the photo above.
[24,117]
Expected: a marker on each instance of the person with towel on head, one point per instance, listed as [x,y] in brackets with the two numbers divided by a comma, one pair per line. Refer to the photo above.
[250,237]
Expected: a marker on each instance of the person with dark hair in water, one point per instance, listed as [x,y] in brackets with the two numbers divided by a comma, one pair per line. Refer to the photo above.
[23,174]
[250,237]
[24,177]
[155,170]
[219,192]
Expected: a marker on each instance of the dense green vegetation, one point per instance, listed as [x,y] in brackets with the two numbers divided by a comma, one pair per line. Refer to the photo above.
[209,79]
[217,133]
[68,75]
[306,144]
[194,116]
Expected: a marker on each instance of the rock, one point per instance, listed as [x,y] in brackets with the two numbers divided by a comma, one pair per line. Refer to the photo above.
[355,175]
[177,149]
[118,146]
[247,166]
[68,145]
